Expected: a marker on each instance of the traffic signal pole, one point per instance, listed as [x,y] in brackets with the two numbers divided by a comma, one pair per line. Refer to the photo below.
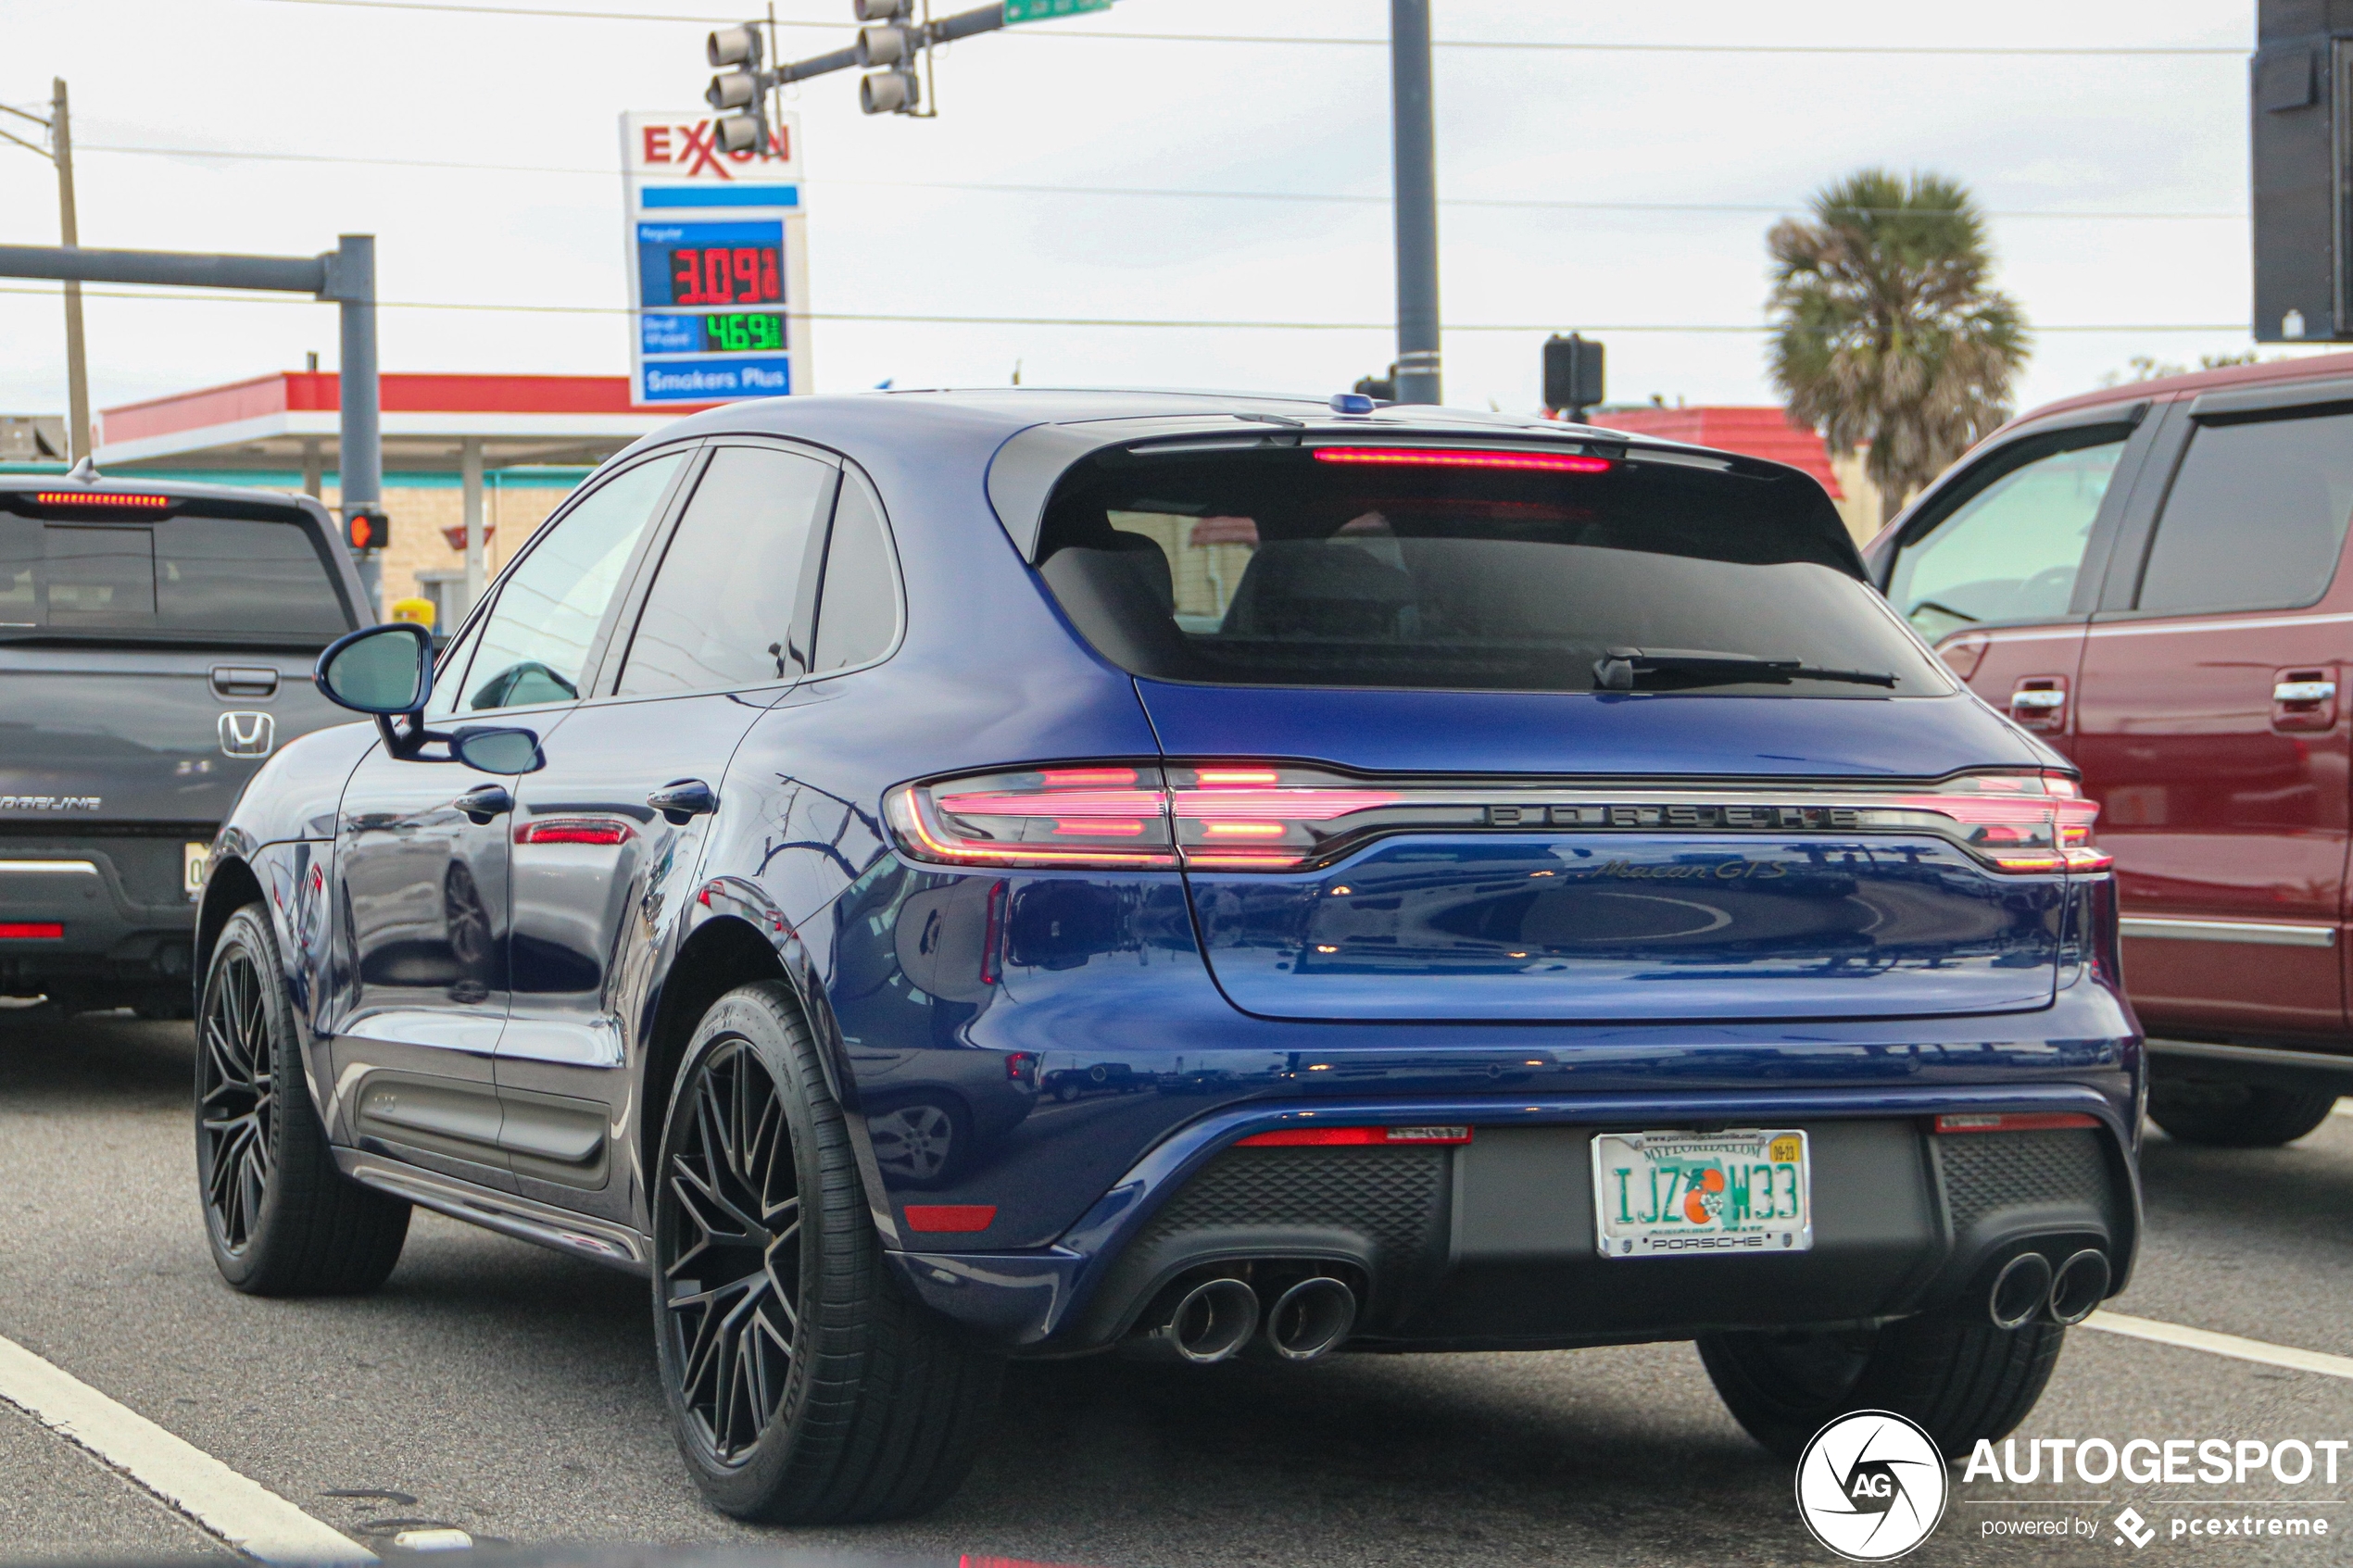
[1414,141]
[346,275]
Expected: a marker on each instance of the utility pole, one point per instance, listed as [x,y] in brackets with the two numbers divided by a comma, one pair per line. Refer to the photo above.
[1414,140]
[70,235]
[60,152]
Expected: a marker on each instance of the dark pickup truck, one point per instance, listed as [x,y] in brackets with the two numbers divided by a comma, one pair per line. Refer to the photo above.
[156,647]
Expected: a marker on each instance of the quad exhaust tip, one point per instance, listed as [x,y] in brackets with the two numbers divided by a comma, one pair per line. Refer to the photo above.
[1211,1321]
[1311,1319]
[2021,1291]
[2079,1287]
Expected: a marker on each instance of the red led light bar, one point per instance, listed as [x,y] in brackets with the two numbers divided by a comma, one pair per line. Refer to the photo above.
[1450,457]
[32,931]
[964,1217]
[2014,1122]
[575,830]
[100,498]
[1334,1137]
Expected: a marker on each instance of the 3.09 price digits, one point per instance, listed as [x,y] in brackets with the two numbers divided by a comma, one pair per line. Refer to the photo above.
[726,275]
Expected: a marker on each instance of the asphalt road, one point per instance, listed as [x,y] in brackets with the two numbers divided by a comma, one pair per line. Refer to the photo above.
[510,1392]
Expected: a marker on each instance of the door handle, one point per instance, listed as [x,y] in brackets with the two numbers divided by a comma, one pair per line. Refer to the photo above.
[2039,703]
[484,802]
[682,800]
[2304,700]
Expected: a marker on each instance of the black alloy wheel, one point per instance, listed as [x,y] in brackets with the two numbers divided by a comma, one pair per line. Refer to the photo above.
[732,1289]
[805,1385]
[281,1219]
[236,1100]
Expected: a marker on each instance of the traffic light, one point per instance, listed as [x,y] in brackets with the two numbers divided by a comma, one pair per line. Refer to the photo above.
[2299,93]
[738,95]
[367,528]
[1572,374]
[893,43]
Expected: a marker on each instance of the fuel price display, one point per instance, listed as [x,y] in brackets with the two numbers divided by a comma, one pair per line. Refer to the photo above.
[737,332]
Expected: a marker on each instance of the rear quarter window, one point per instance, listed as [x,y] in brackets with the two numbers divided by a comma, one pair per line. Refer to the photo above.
[1281,568]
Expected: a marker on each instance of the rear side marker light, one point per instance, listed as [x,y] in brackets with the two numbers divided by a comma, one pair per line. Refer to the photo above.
[950,1217]
[575,830]
[32,931]
[101,498]
[1331,1137]
[1441,458]
[2014,1122]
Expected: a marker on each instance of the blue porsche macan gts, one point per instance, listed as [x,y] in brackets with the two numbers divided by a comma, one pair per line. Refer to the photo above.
[932,879]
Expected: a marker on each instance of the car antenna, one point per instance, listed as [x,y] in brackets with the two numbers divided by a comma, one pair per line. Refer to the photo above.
[85,471]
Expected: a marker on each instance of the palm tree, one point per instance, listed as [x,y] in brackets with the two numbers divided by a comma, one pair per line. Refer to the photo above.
[1886,331]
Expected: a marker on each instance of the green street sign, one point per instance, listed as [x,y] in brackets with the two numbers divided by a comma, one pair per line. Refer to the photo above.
[1046,10]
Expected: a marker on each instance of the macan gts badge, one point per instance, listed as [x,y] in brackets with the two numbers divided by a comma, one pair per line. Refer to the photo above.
[928,880]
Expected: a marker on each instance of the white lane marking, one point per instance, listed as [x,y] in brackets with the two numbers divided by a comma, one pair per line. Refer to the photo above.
[247,1515]
[2220,1344]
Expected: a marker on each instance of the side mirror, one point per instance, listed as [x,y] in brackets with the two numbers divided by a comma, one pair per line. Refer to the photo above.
[382,669]
[498,751]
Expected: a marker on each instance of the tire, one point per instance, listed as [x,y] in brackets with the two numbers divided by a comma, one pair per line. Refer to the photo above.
[853,1404]
[281,1219]
[1960,1380]
[2227,1114]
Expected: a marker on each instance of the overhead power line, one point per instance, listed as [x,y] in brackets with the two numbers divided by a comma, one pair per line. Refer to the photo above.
[1579,46]
[998,187]
[1141,321]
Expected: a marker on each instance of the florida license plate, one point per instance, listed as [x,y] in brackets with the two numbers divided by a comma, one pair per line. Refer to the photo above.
[1683,1194]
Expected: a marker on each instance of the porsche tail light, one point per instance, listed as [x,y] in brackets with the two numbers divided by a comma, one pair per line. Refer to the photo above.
[1244,815]
[1075,816]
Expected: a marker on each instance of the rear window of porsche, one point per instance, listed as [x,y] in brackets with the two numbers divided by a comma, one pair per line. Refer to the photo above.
[1469,568]
[184,572]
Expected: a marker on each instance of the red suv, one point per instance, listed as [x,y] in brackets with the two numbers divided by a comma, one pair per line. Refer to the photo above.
[2149,578]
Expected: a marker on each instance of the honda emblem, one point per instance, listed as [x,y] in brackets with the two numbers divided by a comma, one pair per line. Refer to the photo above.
[248,735]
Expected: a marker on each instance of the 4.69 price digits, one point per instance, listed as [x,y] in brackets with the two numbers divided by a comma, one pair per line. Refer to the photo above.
[736,331]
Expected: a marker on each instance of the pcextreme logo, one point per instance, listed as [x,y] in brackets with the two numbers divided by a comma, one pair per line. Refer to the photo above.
[1871,1486]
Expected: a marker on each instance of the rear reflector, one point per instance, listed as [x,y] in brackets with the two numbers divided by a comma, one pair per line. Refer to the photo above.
[950,1216]
[1439,457]
[575,830]
[101,498]
[32,931]
[1326,1137]
[2015,1122]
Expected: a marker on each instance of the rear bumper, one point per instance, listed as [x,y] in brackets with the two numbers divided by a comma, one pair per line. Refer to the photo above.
[1491,1244]
[121,926]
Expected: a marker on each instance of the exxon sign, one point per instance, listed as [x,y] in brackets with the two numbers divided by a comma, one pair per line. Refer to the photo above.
[717,261]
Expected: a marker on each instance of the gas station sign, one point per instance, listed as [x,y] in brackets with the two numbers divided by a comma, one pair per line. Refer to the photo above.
[717,262]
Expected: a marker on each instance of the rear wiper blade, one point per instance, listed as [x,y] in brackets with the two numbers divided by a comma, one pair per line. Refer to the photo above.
[1618,669]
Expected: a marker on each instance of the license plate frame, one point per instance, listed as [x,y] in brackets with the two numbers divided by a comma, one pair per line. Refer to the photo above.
[1635,1217]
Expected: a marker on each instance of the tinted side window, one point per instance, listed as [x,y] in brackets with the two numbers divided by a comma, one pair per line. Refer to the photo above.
[19,553]
[2256,520]
[534,646]
[721,611]
[858,619]
[2011,552]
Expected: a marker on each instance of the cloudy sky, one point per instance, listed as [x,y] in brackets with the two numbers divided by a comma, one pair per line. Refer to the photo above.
[1237,177]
